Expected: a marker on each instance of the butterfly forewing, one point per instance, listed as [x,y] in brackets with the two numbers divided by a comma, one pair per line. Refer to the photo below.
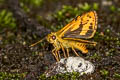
[70,26]
[83,27]
[89,24]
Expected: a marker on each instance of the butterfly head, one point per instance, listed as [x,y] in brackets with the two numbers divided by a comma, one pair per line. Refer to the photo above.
[52,37]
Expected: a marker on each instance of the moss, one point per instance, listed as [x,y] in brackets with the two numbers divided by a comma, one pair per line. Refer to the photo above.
[113,8]
[74,75]
[35,53]
[65,76]
[118,42]
[43,77]
[67,13]
[95,6]
[11,76]
[2,2]
[24,7]
[104,72]
[95,56]
[107,31]
[98,37]
[27,5]
[7,20]
[53,28]
[107,44]
[85,6]
[34,3]
[116,75]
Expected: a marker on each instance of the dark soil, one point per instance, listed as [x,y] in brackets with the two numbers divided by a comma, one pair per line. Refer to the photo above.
[17,57]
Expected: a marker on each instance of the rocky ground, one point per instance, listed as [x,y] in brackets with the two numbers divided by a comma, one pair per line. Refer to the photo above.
[25,22]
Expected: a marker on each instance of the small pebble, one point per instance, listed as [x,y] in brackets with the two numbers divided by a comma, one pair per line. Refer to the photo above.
[70,64]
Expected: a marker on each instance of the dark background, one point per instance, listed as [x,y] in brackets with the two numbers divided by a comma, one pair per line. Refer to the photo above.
[23,22]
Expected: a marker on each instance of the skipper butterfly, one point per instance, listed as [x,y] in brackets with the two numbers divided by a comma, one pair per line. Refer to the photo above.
[72,35]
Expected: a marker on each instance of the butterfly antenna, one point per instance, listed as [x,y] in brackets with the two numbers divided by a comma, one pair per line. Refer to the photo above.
[37,42]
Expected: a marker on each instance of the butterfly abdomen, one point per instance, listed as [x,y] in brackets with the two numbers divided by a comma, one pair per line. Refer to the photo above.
[80,46]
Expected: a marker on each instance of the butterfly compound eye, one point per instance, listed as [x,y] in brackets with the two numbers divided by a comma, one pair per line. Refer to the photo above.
[53,37]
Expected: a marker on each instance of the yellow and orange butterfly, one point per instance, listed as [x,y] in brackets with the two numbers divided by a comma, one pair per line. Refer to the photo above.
[72,35]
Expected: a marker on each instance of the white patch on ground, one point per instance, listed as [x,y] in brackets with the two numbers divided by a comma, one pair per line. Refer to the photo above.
[70,64]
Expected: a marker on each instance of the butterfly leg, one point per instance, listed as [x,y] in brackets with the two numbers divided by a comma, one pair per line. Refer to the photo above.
[75,51]
[63,51]
[55,54]
[58,54]
[68,52]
